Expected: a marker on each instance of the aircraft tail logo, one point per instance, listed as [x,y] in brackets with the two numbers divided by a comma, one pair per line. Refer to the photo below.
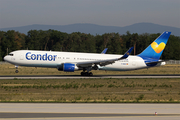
[158,48]
[155,49]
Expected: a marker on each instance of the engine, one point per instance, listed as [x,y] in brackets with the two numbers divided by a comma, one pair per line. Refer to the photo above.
[67,67]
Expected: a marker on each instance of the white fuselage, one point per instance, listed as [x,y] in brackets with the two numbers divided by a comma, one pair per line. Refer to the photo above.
[52,59]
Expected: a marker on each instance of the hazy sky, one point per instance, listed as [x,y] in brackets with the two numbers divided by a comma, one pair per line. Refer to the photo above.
[121,13]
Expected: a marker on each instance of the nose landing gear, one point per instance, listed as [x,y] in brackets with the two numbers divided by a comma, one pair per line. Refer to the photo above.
[16,71]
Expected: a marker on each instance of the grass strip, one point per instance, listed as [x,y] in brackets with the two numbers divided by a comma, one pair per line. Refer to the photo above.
[108,90]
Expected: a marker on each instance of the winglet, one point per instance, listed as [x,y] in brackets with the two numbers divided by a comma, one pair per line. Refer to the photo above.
[104,51]
[126,54]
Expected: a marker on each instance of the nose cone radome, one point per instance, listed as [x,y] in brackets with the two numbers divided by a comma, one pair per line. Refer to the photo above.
[5,58]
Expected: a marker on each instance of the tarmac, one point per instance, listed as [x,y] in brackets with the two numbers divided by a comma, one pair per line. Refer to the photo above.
[88,111]
[85,77]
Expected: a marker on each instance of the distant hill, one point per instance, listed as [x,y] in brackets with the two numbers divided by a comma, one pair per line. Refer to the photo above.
[99,29]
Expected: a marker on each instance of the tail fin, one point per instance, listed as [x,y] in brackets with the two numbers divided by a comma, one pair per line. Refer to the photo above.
[104,51]
[156,48]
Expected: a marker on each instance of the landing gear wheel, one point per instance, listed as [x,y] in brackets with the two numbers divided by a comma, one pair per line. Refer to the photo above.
[86,74]
[90,74]
[82,73]
[16,71]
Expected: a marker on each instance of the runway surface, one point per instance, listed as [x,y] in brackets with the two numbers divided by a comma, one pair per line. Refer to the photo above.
[85,77]
[88,111]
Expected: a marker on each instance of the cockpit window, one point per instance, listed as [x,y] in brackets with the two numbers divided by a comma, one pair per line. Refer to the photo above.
[11,54]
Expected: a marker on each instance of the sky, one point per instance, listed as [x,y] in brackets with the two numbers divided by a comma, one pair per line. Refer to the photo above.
[15,13]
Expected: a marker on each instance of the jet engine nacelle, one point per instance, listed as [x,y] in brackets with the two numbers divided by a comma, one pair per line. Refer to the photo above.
[68,67]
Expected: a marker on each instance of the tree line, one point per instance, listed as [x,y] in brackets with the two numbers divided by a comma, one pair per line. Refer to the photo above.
[80,42]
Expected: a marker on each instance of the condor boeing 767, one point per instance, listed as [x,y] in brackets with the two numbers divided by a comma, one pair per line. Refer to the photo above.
[71,61]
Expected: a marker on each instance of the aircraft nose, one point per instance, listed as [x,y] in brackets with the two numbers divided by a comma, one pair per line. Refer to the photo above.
[5,58]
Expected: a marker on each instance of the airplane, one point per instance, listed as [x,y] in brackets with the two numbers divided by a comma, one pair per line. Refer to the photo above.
[72,61]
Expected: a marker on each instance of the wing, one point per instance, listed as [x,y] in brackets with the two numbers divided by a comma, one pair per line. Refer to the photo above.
[103,62]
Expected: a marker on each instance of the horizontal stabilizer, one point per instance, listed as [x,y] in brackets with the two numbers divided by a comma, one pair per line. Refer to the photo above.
[155,62]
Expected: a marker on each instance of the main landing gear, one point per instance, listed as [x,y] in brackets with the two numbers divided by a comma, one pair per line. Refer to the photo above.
[16,71]
[86,73]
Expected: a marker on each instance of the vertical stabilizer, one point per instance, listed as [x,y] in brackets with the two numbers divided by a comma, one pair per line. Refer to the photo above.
[155,49]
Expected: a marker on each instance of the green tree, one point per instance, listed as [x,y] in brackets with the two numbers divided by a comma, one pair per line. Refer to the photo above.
[134,38]
[81,42]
